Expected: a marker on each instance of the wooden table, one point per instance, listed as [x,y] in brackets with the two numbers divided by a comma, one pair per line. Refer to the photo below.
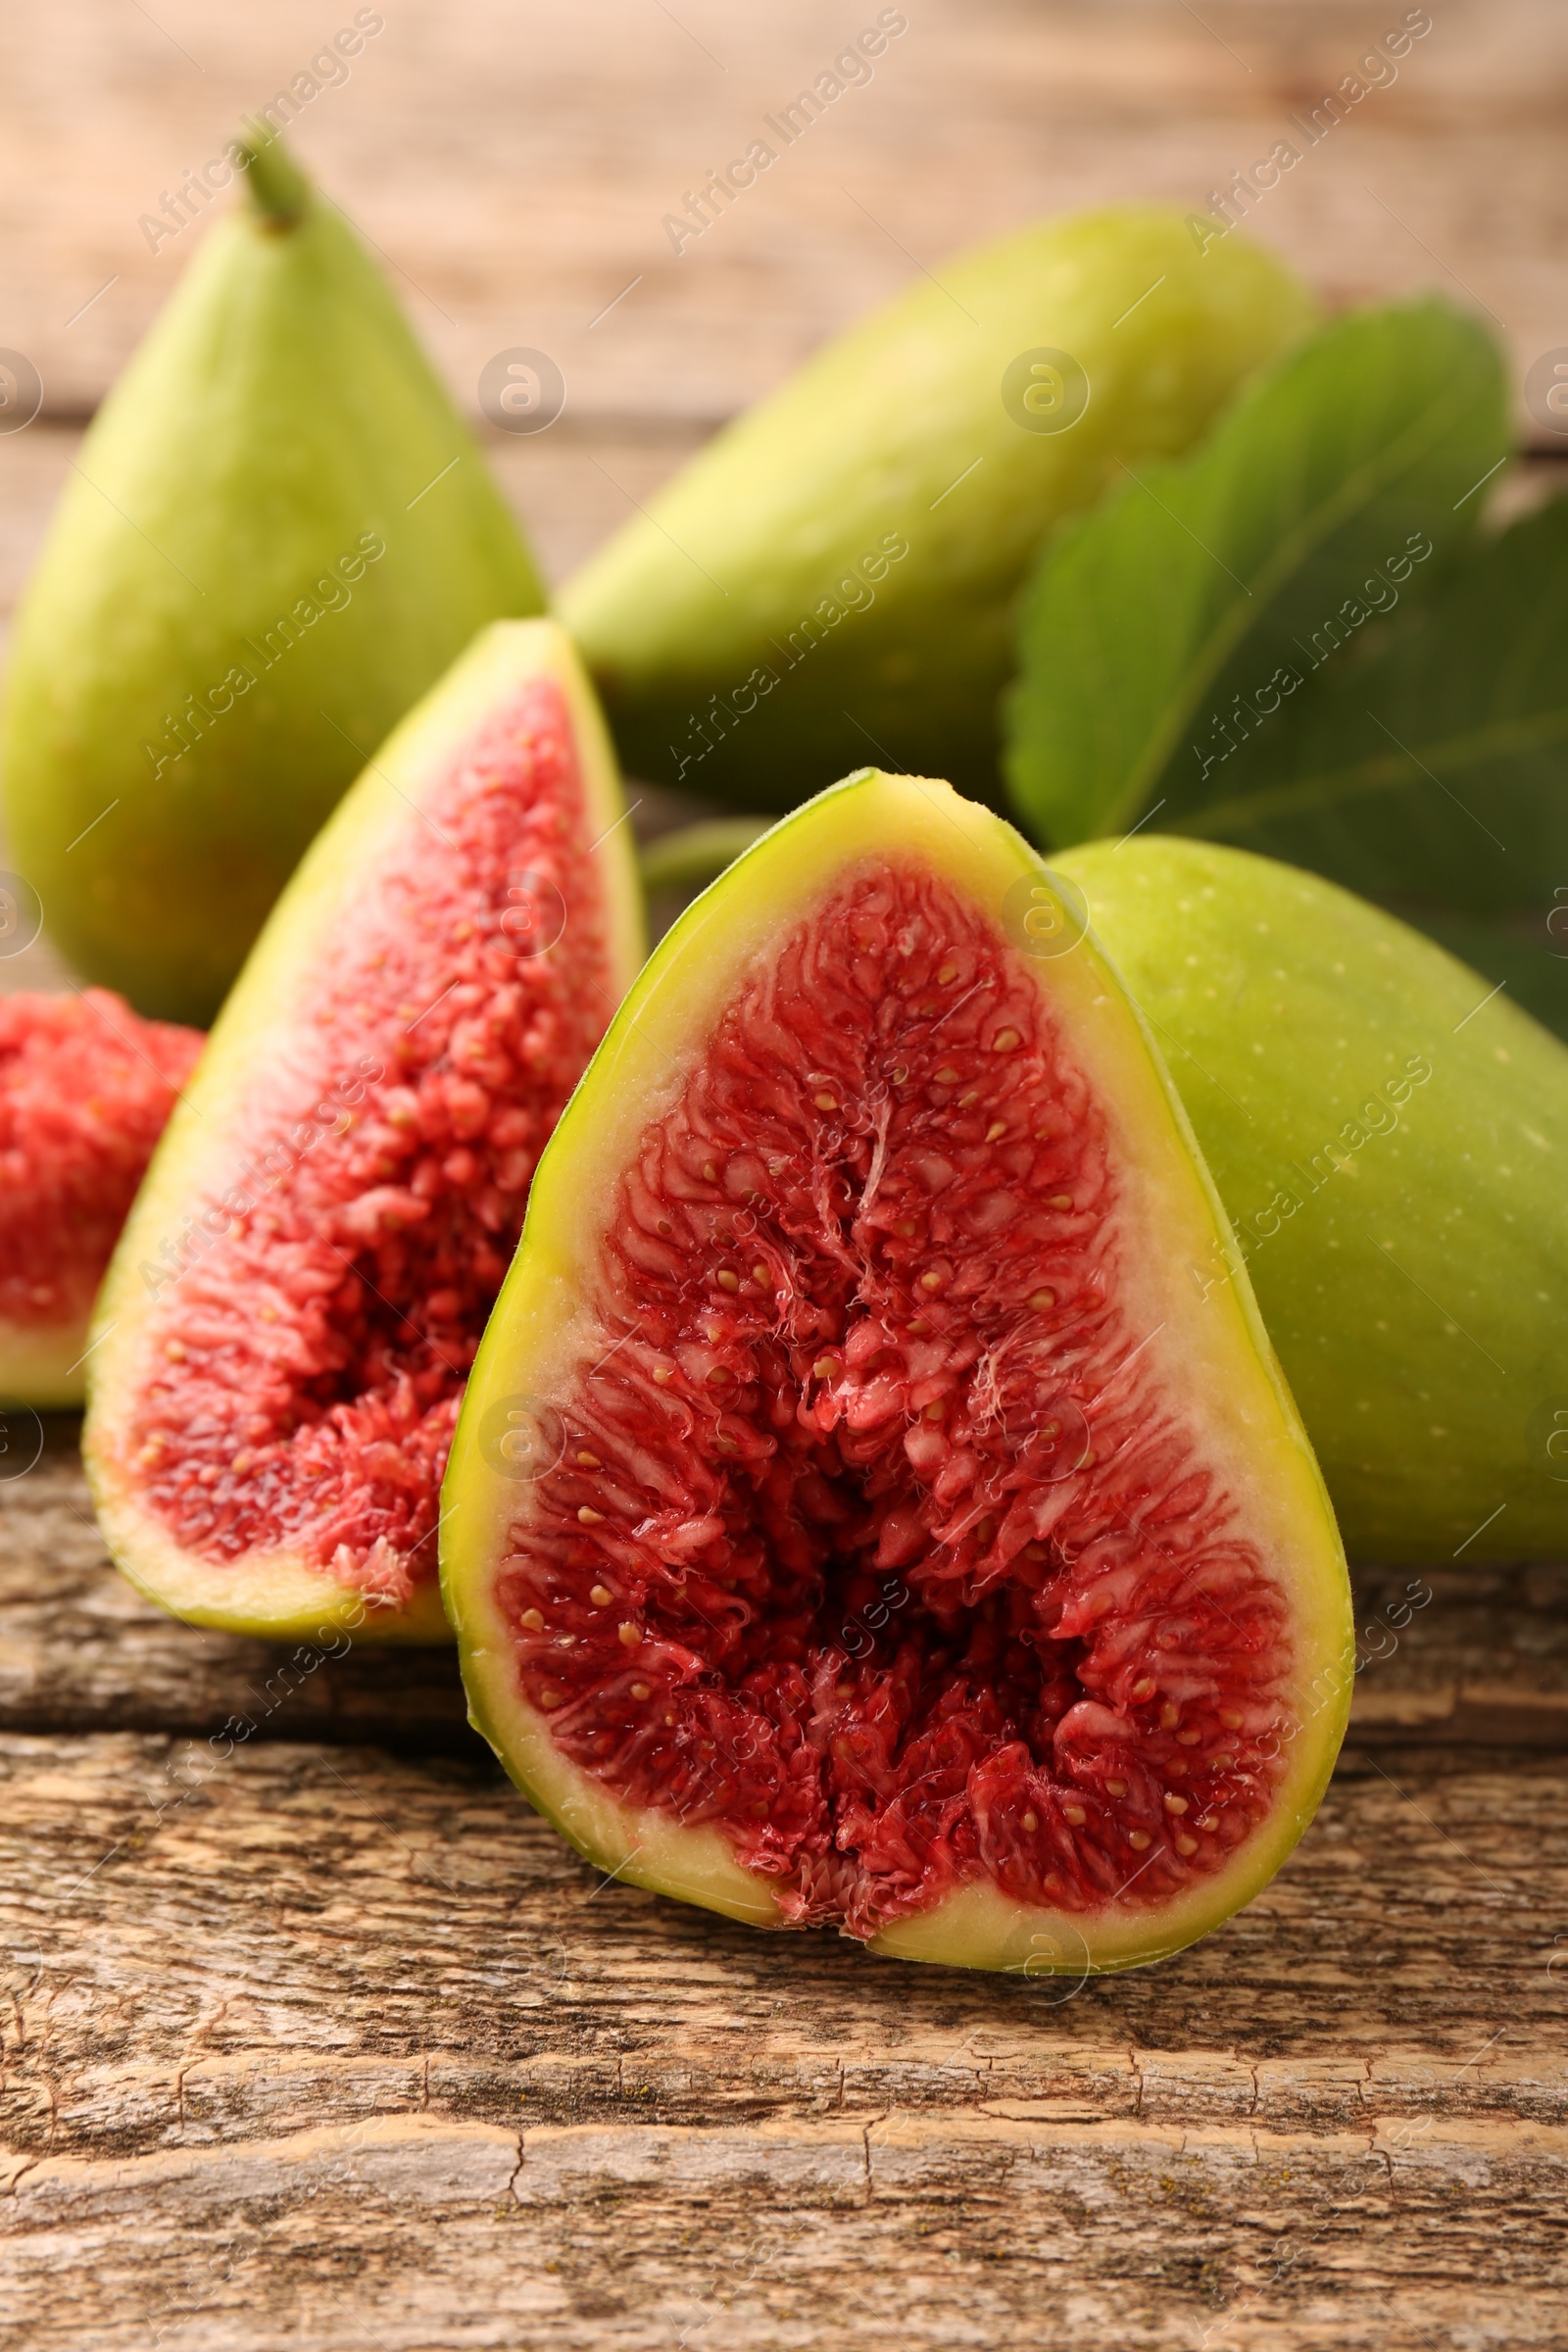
[329,2041]
[332,2043]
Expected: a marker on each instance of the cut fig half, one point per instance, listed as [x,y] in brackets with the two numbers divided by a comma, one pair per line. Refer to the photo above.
[859,1514]
[283,1338]
[86,1087]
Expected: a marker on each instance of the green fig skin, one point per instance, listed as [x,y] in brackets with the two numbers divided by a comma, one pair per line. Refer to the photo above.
[278,536]
[832,578]
[1407,1234]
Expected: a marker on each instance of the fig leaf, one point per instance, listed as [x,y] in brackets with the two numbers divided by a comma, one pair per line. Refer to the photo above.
[1429,776]
[1170,638]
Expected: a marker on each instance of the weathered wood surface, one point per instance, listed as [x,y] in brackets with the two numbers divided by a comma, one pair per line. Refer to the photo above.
[335,2041]
[307,2037]
[314,2035]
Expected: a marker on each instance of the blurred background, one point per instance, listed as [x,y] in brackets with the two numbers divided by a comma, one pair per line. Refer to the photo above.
[513,161]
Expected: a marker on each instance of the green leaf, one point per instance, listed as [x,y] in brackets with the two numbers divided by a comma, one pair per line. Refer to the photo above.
[1429,769]
[1160,627]
[1430,763]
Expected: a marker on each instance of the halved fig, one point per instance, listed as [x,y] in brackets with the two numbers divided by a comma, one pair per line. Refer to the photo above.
[858,1514]
[86,1087]
[285,1335]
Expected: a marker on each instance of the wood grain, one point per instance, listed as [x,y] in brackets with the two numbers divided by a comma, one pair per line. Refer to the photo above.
[334,2033]
[298,2031]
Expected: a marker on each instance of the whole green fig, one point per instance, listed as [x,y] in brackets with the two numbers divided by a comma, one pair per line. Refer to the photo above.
[279,534]
[831,580]
[1391,1139]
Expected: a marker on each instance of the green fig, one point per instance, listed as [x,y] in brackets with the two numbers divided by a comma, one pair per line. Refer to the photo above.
[1390,1136]
[834,575]
[279,534]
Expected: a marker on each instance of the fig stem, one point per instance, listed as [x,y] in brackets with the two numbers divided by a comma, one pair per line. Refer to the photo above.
[699,854]
[279,188]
